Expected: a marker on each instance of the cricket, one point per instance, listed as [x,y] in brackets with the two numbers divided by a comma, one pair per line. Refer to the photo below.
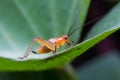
[51,45]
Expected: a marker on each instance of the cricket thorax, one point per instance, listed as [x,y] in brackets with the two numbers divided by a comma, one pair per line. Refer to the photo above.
[60,41]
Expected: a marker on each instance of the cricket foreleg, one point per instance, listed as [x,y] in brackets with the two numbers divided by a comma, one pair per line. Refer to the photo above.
[70,44]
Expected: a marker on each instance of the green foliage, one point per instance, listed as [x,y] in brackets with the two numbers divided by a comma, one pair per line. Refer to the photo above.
[60,59]
[22,20]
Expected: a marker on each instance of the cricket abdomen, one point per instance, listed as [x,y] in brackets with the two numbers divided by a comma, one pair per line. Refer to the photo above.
[43,50]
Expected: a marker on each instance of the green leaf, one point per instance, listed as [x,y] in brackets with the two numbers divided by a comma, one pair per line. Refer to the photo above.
[22,20]
[64,56]
[52,62]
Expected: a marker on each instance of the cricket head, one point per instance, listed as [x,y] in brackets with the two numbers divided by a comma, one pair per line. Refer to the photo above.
[65,38]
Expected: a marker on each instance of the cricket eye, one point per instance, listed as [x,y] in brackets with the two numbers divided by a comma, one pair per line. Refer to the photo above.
[66,37]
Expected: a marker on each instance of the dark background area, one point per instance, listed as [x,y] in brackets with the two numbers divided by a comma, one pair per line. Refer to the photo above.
[98,8]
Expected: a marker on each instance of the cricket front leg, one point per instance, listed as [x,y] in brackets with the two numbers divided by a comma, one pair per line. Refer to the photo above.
[69,44]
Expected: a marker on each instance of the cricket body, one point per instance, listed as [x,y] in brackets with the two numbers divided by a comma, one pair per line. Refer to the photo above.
[47,46]
[50,45]
[53,44]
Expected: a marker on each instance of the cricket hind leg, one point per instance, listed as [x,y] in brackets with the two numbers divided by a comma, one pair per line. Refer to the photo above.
[29,49]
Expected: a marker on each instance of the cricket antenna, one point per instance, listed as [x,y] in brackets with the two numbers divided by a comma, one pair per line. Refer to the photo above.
[70,33]
[74,20]
[77,17]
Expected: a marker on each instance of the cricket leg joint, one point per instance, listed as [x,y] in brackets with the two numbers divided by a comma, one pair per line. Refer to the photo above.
[34,52]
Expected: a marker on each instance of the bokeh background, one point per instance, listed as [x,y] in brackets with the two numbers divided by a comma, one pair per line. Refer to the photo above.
[101,62]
